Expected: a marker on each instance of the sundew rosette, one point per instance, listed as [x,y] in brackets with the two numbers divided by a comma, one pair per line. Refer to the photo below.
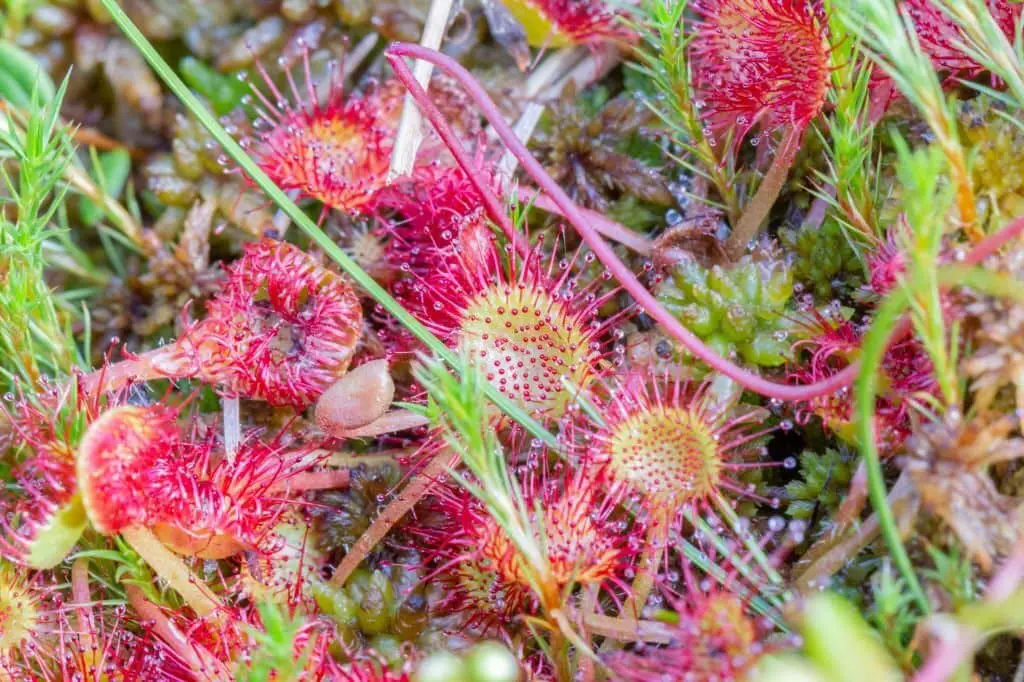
[282,329]
[527,319]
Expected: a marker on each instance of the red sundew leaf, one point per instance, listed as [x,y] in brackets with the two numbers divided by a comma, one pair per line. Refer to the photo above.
[282,329]
[480,568]
[135,468]
[122,460]
[97,645]
[527,320]
[760,62]
[441,226]
[716,639]
[672,443]
[337,152]
[833,345]
[940,36]
[887,265]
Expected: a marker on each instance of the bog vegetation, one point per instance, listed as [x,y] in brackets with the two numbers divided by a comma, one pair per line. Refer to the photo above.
[497,340]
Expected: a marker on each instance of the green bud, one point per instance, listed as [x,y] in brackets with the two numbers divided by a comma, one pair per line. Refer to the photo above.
[842,645]
[491,662]
[375,604]
[443,666]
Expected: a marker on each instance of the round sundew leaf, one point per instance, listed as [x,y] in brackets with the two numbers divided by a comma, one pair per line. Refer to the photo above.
[668,453]
[118,465]
[19,612]
[528,343]
[283,329]
[55,540]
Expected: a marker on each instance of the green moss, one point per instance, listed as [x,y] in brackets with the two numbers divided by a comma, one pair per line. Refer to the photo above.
[997,169]
[824,479]
[824,263]
[739,310]
[341,516]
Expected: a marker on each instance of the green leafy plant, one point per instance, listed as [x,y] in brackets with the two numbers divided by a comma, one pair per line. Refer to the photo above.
[824,478]
[275,655]
[35,338]
[664,63]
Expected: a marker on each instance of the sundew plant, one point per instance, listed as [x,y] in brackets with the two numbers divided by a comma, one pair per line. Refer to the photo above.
[512,340]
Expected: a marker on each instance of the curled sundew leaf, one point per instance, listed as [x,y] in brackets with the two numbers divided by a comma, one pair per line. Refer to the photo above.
[282,329]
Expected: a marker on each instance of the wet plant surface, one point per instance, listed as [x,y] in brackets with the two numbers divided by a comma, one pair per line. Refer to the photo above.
[664,340]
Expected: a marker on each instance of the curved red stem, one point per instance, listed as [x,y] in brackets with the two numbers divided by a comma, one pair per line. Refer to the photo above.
[604,253]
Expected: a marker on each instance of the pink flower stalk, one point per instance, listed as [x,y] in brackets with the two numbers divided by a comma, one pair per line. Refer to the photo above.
[941,37]
[560,23]
[481,570]
[761,62]
[337,152]
[282,329]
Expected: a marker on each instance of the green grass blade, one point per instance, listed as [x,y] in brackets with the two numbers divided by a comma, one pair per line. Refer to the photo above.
[866,388]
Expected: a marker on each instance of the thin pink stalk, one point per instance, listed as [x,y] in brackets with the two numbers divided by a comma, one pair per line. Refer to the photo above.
[491,203]
[80,593]
[606,226]
[944,663]
[1006,580]
[604,253]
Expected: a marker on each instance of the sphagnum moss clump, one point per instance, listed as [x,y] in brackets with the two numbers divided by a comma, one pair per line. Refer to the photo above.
[511,438]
